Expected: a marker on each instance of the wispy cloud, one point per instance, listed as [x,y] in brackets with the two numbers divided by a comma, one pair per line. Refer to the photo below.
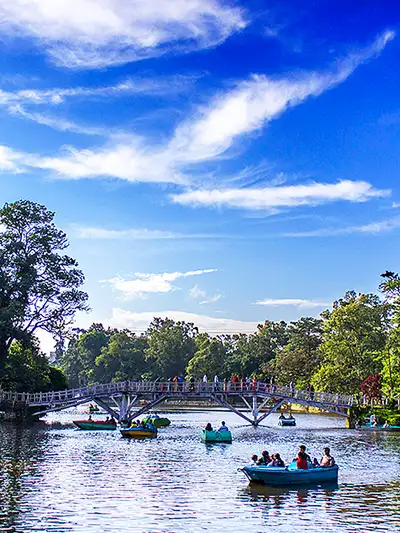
[208,134]
[271,198]
[134,234]
[298,302]
[100,33]
[122,318]
[145,284]
[196,292]
[212,299]
[373,228]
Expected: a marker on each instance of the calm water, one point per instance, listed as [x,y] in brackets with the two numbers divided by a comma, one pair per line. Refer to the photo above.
[57,479]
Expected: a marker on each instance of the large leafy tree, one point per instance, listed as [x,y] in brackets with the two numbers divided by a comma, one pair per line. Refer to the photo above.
[40,287]
[171,346]
[210,357]
[299,359]
[353,342]
[123,358]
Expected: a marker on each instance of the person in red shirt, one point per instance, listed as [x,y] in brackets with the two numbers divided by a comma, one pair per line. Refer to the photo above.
[301,461]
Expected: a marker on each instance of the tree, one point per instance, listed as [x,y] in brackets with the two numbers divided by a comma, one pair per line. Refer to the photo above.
[171,346]
[79,360]
[353,342]
[299,359]
[371,387]
[39,286]
[123,358]
[210,357]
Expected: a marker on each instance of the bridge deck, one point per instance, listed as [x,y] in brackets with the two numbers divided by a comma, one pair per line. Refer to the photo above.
[185,390]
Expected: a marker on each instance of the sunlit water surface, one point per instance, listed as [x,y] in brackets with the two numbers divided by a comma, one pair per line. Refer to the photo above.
[57,479]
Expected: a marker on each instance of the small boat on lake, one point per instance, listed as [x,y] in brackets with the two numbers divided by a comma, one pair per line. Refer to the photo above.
[290,475]
[95,425]
[286,422]
[139,432]
[216,436]
[157,421]
[380,427]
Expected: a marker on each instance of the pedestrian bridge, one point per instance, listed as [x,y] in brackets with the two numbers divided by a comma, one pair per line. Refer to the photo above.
[128,400]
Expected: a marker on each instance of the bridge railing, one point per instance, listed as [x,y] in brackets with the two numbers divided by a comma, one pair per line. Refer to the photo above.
[179,388]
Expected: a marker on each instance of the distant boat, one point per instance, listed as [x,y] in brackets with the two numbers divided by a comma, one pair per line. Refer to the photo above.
[290,475]
[157,421]
[95,425]
[216,436]
[379,427]
[139,432]
[286,422]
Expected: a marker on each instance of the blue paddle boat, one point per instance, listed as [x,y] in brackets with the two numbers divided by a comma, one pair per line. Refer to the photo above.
[290,475]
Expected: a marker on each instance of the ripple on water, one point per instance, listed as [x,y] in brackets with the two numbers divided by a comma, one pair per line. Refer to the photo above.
[63,480]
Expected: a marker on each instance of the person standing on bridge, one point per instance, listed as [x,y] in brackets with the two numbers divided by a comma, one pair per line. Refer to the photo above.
[216,380]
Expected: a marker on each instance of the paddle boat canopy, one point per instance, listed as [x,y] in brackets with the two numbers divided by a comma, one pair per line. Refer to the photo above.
[147,431]
[157,421]
[95,425]
[290,475]
[216,436]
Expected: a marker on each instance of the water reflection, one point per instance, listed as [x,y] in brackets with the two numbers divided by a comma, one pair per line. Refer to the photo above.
[62,480]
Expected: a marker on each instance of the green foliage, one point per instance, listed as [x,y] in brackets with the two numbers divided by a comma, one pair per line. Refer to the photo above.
[301,357]
[39,285]
[27,369]
[210,357]
[171,345]
[353,343]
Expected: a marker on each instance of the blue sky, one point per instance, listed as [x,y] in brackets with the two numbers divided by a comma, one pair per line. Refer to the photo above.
[217,161]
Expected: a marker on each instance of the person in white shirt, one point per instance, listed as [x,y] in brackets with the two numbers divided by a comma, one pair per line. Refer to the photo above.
[216,382]
[205,378]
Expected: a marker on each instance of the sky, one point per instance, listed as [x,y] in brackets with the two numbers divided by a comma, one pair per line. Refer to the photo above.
[217,161]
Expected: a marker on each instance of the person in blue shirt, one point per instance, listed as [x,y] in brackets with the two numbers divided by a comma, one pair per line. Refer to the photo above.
[223,427]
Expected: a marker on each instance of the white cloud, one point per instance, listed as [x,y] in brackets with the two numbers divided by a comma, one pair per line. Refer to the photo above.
[298,302]
[9,160]
[99,33]
[140,321]
[212,299]
[211,133]
[395,205]
[268,198]
[258,100]
[196,292]
[374,228]
[151,283]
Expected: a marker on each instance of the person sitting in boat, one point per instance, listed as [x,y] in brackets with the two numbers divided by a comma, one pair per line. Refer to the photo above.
[90,417]
[223,427]
[290,417]
[327,461]
[107,420]
[302,449]
[386,424]
[282,417]
[254,460]
[265,458]
[277,461]
[112,421]
[209,427]
[301,461]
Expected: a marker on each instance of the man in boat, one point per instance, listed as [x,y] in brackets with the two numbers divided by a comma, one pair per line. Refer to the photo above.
[282,417]
[327,461]
[223,427]
[265,459]
[302,449]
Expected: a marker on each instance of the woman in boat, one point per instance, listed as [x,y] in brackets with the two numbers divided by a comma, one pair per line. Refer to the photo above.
[209,427]
[301,462]
[278,461]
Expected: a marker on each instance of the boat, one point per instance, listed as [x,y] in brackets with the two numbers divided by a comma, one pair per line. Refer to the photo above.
[95,425]
[216,436]
[290,475]
[286,422]
[379,427]
[157,421]
[139,432]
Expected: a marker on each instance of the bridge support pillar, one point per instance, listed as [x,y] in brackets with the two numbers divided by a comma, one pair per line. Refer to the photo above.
[351,419]
[124,407]
[254,411]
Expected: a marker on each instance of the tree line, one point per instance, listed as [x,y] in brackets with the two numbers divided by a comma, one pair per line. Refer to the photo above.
[357,339]
[355,344]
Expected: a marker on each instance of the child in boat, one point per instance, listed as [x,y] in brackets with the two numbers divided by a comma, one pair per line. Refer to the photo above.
[254,459]
[209,427]
[265,459]
[301,461]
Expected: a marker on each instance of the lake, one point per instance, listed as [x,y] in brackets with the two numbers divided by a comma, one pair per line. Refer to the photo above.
[55,478]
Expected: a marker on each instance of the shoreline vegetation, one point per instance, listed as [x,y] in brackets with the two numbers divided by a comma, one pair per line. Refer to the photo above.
[351,348]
